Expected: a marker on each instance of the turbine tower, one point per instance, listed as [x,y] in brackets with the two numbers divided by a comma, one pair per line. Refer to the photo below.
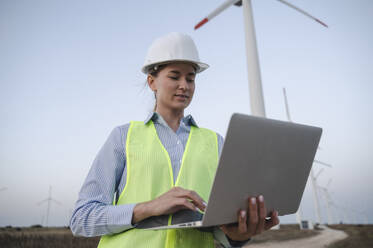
[337,214]
[255,82]
[299,212]
[328,201]
[313,177]
[49,200]
[315,195]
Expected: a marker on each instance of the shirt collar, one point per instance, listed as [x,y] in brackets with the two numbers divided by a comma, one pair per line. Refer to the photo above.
[155,117]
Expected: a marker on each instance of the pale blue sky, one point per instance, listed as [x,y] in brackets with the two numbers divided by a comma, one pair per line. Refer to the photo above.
[70,73]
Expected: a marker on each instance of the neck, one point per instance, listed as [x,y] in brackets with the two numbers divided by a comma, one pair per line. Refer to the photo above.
[171,117]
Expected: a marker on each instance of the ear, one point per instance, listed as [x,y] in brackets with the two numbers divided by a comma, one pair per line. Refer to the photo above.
[151,82]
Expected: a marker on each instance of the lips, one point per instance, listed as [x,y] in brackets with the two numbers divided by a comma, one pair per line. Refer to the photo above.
[181,95]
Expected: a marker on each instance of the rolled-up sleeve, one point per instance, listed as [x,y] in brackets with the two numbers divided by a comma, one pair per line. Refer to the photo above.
[94,213]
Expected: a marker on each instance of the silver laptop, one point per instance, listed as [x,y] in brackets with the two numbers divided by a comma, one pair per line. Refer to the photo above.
[260,157]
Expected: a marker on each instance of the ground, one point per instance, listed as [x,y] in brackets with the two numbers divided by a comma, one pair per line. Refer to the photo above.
[358,236]
[288,236]
[324,237]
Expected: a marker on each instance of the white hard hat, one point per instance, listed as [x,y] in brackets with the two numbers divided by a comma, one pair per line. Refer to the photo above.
[170,48]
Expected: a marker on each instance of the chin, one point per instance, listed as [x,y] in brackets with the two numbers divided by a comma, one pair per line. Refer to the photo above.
[180,107]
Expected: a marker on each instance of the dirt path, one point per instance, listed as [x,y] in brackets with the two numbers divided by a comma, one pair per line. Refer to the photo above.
[326,237]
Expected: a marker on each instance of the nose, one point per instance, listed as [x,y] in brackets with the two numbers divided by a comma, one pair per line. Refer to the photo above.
[183,84]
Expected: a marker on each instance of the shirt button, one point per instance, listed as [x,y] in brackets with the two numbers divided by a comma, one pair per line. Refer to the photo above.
[178,142]
[180,160]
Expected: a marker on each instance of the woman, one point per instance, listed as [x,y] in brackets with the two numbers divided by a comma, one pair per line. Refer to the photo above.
[160,166]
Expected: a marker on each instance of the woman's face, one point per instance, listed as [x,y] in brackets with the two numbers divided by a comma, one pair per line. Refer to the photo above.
[174,86]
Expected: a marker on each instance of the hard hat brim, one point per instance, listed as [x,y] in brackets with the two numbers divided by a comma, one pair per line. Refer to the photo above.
[200,65]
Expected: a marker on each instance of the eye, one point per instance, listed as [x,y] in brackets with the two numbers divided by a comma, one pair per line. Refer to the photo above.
[173,78]
[190,80]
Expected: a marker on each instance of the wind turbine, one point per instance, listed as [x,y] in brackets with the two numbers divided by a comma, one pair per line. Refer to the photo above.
[364,216]
[314,188]
[328,201]
[337,214]
[359,217]
[49,200]
[69,216]
[315,194]
[346,216]
[313,176]
[255,84]
[299,212]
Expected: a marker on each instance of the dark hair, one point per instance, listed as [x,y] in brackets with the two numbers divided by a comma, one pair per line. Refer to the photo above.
[154,72]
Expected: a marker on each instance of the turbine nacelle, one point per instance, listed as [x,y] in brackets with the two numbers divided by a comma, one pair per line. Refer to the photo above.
[238,3]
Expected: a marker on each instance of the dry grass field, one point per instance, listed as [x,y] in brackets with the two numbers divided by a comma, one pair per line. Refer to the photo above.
[37,237]
[358,236]
[287,232]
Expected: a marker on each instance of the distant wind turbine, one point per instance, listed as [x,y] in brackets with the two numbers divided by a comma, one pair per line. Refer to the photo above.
[364,216]
[328,201]
[315,194]
[322,163]
[49,200]
[338,215]
[255,84]
[359,215]
[346,216]
[299,212]
[313,176]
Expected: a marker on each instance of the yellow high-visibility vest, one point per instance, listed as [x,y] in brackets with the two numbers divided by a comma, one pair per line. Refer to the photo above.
[149,175]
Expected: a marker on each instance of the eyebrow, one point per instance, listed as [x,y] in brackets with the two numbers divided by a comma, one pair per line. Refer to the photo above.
[177,72]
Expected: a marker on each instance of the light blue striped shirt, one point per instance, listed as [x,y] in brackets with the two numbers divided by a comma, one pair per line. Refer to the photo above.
[94,213]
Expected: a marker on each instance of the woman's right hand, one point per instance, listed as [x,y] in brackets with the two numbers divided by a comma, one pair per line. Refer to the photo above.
[170,202]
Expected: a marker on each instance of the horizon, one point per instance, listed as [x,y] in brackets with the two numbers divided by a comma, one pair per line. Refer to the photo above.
[70,73]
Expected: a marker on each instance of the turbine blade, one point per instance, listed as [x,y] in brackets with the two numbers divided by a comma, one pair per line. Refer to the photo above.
[303,12]
[329,182]
[57,202]
[39,203]
[319,162]
[318,174]
[286,105]
[322,188]
[216,12]
[201,23]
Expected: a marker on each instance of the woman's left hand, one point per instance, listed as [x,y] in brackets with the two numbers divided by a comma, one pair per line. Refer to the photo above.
[251,221]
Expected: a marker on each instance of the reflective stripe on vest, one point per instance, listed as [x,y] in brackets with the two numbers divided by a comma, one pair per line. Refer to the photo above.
[149,175]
